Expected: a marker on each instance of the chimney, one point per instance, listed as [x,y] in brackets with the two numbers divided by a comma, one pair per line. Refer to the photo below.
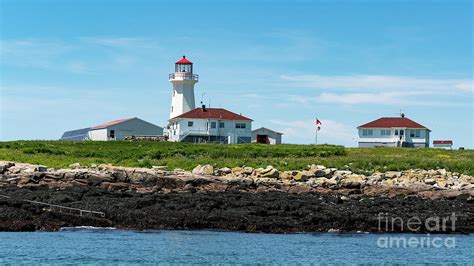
[203,107]
[402,115]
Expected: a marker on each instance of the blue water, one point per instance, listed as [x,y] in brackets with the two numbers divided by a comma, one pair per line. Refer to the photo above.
[91,246]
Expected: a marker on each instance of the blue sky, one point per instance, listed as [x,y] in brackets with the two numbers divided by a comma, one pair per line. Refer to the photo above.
[74,64]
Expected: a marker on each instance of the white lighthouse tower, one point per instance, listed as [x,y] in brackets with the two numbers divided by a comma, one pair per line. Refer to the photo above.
[183,81]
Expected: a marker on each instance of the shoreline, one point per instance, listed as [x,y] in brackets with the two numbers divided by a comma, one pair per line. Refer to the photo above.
[155,199]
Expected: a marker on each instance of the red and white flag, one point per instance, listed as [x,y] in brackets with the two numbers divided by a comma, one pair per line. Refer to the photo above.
[318,124]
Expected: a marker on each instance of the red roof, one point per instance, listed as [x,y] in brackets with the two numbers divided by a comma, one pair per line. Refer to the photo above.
[184,61]
[442,142]
[388,122]
[111,123]
[213,113]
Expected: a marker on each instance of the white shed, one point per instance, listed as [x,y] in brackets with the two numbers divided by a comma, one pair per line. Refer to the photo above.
[119,129]
[114,130]
[266,136]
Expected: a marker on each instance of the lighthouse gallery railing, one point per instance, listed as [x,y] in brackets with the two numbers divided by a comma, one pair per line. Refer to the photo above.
[184,75]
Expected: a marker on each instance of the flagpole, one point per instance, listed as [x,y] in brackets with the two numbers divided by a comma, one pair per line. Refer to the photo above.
[316,135]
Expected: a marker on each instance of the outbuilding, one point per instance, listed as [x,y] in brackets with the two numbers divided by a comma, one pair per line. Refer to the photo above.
[115,130]
[266,136]
[444,144]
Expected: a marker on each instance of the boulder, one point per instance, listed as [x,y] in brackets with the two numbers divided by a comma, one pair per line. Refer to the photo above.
[247,170]
[270,173]
[203,170]
[4,166]
[302,175]
[237,171]
[392,174]
[224,171]
[75,165]
[342,172]
[353,181]
[430,181]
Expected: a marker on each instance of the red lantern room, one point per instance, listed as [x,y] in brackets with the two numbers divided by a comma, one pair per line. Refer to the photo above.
[184,65]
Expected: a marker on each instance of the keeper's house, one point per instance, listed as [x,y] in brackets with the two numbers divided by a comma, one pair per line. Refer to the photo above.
[393,132]
[203,125]
[115,130]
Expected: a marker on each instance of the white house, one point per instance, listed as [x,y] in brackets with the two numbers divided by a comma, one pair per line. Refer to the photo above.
[210,125]
[266,136]
[444,144]
[115,130]
[393,132]
[190,124]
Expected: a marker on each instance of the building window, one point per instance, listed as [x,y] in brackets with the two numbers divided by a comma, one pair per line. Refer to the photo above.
[364,132]
[174,92]
[412,133]
[112,134]
[213,124]
[240,125]
[396,132]
[221,125]
[417,133]
[190,123]
[385,132]
[171,108]
[401,132]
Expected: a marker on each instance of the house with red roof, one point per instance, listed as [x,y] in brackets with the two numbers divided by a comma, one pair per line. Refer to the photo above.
[210,125]
[115,130]
[203,124]
[393,132]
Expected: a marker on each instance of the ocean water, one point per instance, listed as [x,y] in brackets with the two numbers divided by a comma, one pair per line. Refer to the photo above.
[104,246]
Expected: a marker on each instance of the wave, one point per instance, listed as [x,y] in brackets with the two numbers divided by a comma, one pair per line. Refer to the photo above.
[86,228]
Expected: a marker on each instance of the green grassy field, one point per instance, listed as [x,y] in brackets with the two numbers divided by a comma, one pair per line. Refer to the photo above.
[186,156]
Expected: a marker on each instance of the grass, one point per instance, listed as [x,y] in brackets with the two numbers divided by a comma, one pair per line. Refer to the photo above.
[59,154]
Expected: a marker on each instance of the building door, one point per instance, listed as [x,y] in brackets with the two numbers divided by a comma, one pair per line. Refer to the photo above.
[263,139]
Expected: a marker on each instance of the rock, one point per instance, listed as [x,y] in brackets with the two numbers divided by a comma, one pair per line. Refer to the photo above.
[4,166]
[392,174]
[441,183]
[271,173]
[342,172]
[430,181]
[286,175]
[93,165]
[75,165]
[119,175]
[160,167]
[41,168]
[344,198]
[203,170]
[237,171]
[247,170]
[442,172]
[353,181]
[388,182]
[302,175]
[224,171]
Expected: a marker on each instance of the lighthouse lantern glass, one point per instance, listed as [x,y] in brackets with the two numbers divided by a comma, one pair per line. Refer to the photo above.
[187,68]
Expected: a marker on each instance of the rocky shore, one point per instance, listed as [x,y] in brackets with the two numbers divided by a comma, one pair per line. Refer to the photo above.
[318,199]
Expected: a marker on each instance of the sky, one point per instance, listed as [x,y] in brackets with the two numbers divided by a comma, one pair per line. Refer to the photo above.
[72,64]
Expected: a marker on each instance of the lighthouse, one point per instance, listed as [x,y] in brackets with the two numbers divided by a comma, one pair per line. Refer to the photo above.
[183,80]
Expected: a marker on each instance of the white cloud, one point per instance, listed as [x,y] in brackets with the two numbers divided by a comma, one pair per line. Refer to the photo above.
[380,82]
[303,131]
